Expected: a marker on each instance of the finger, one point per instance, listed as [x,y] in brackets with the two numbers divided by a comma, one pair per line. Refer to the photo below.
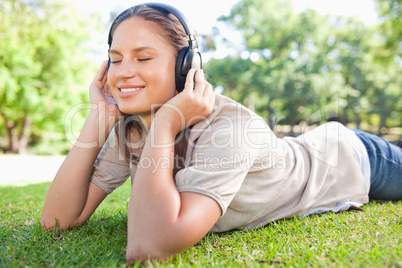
[208,90]
[105,89]
[104,78]
[200,83]
[189,85]
[101,72]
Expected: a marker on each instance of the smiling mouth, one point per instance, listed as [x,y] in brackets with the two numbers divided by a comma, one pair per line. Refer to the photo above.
[125,90]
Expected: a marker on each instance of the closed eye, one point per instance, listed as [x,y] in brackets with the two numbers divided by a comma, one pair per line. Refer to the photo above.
[144,59]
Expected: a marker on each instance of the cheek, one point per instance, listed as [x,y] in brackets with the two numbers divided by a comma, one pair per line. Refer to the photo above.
[166,90]
[167,82]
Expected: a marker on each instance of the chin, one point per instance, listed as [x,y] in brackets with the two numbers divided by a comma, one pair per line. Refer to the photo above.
[132,109]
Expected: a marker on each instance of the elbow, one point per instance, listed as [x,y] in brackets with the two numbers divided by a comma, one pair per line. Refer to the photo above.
[47,224]
[143,253]
[51,224]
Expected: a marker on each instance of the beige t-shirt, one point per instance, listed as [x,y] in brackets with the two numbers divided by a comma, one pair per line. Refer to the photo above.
[255,177]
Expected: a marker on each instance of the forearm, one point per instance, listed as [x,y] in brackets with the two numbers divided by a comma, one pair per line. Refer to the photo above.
[161,221]
[68,192]
[155,204]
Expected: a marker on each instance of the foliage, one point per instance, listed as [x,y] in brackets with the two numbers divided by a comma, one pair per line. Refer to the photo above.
[300,64]
[390,12]
[368,238]
[389,58]
[42,67]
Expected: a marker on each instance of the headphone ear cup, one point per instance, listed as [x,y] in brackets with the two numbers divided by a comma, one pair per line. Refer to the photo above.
[183,65]
[186,60]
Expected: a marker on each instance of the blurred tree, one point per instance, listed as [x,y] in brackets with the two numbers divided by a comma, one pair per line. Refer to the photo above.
[347,51]
[388,59]
[390,13]
[384,96]
[42,61]
[281,45]
[295,65]
[230,72]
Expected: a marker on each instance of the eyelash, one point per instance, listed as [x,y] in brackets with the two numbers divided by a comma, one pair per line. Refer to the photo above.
[143,59]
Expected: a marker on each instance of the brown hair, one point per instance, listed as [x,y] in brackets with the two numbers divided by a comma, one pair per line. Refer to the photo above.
[130,131]
[169,26]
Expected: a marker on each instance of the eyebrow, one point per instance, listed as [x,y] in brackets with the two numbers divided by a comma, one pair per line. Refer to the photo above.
[138,49]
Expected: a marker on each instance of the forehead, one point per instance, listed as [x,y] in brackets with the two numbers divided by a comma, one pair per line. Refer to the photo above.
[137,30]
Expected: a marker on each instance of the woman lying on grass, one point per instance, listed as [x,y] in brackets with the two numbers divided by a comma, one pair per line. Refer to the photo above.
[200,161]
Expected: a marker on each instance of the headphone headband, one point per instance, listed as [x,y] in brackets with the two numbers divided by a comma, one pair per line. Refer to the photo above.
[166,9]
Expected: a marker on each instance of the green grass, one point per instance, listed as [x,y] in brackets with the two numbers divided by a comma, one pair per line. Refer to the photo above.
[369,238]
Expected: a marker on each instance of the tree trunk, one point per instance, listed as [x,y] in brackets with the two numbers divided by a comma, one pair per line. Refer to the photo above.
[17,140]
[383,111]
[10,132]
[13,140]
[356,108]
[271,116]
[292,125]
[24,135]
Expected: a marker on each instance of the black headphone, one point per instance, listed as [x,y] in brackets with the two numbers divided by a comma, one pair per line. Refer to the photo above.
[189,57]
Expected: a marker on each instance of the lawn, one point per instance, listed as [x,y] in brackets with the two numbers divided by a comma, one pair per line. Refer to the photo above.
[368,238]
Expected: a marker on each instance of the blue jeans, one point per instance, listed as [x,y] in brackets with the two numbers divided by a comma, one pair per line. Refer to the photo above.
[385,165]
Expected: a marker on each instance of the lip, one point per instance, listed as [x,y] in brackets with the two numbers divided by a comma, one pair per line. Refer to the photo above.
[129,92]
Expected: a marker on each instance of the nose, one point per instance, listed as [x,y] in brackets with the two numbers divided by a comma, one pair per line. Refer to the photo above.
[126,69]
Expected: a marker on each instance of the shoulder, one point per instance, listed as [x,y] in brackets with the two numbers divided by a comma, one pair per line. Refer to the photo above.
[229,113]
[231,127]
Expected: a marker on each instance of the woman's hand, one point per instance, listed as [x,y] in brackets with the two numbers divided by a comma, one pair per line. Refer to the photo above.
[190,106]
[97,91]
